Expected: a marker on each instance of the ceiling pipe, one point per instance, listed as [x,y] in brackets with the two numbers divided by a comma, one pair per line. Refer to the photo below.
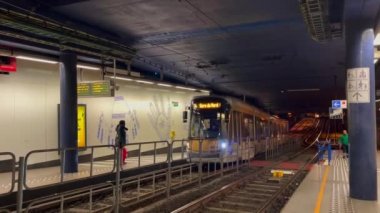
[316,17]
[32,28]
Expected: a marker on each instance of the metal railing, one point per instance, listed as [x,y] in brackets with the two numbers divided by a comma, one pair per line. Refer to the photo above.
[158,147]
[161,181]
[183,146]
[275,147]
[60,163]
[62,201]
[145,186]
[10,159]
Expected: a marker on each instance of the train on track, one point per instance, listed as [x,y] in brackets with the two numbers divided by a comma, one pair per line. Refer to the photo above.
[227,128]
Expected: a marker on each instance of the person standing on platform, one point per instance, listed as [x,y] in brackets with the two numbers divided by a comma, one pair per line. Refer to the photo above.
[122,140]
[343,140]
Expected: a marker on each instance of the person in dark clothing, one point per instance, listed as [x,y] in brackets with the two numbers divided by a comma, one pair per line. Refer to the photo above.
[122,139]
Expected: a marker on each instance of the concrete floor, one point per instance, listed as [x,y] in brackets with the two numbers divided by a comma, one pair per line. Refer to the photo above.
[336,194]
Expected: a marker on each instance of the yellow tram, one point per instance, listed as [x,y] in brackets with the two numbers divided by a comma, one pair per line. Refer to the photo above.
[224,127]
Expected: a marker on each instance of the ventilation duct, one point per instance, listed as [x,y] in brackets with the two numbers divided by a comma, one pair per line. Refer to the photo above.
[323,19]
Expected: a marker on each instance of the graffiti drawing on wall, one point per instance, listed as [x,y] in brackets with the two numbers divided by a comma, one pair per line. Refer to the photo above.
[101,128]
[121,110]
[159,116]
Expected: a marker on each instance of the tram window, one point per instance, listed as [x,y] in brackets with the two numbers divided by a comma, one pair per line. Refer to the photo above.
[184,116]
[227,117]
[205,125]
[250,127]
[246,126]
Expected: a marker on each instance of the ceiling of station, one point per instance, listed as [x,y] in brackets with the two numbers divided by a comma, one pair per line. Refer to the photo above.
[260,49]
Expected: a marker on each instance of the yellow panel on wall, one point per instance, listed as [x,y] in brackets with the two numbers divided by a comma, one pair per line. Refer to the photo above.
[81,126]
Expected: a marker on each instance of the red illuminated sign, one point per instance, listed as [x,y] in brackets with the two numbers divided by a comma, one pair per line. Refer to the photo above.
[8,64]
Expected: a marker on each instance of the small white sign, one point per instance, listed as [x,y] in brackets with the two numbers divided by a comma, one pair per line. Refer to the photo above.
[343,104]
[358,85]
[336,113]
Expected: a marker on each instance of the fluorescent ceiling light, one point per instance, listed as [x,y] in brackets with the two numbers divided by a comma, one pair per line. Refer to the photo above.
[375,60]
[164,85]
[145,82]
[36,59]
[376,42]
[121,78]
[88,67]
[303,90]
[186,88]
[206,91]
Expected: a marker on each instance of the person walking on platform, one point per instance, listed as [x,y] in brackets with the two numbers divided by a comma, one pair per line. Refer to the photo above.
[122,139]
[343,140]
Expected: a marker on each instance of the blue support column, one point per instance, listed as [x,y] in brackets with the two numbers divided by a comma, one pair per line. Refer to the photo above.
[68,110]
[361,116]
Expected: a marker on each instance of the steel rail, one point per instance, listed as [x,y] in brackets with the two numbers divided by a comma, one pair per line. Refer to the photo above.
[205,199]
[284,187]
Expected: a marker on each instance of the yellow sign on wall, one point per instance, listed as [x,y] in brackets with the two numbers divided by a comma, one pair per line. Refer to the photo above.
[81,126]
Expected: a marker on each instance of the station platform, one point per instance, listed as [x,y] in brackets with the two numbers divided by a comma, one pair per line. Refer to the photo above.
[326,189]
[51,175]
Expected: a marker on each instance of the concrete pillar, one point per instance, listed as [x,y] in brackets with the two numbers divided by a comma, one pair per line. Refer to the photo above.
[361,116]
[68,110]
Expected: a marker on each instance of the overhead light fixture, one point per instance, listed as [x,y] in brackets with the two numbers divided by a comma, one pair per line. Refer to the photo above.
[303,90]
[375,60]
[376,42]
[36,59]
[88,67]
[121,78]
[164,85]
[206,91]
[144,82]
[186,88]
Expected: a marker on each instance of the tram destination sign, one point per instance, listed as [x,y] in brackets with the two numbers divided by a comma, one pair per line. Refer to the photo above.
[208,105]
[95,89]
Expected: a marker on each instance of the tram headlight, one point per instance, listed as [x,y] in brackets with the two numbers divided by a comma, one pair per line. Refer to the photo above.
[223,145]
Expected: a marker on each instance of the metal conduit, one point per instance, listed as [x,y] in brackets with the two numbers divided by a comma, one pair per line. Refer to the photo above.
[47,32]
[316,17]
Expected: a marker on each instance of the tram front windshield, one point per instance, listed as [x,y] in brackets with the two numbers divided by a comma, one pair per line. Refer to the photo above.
[205,124]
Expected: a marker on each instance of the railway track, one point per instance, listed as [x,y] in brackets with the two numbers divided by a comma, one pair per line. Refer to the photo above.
[257,192]
[134,190]
[141,190]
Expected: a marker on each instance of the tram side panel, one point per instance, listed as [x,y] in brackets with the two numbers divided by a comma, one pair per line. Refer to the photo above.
[243,133]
